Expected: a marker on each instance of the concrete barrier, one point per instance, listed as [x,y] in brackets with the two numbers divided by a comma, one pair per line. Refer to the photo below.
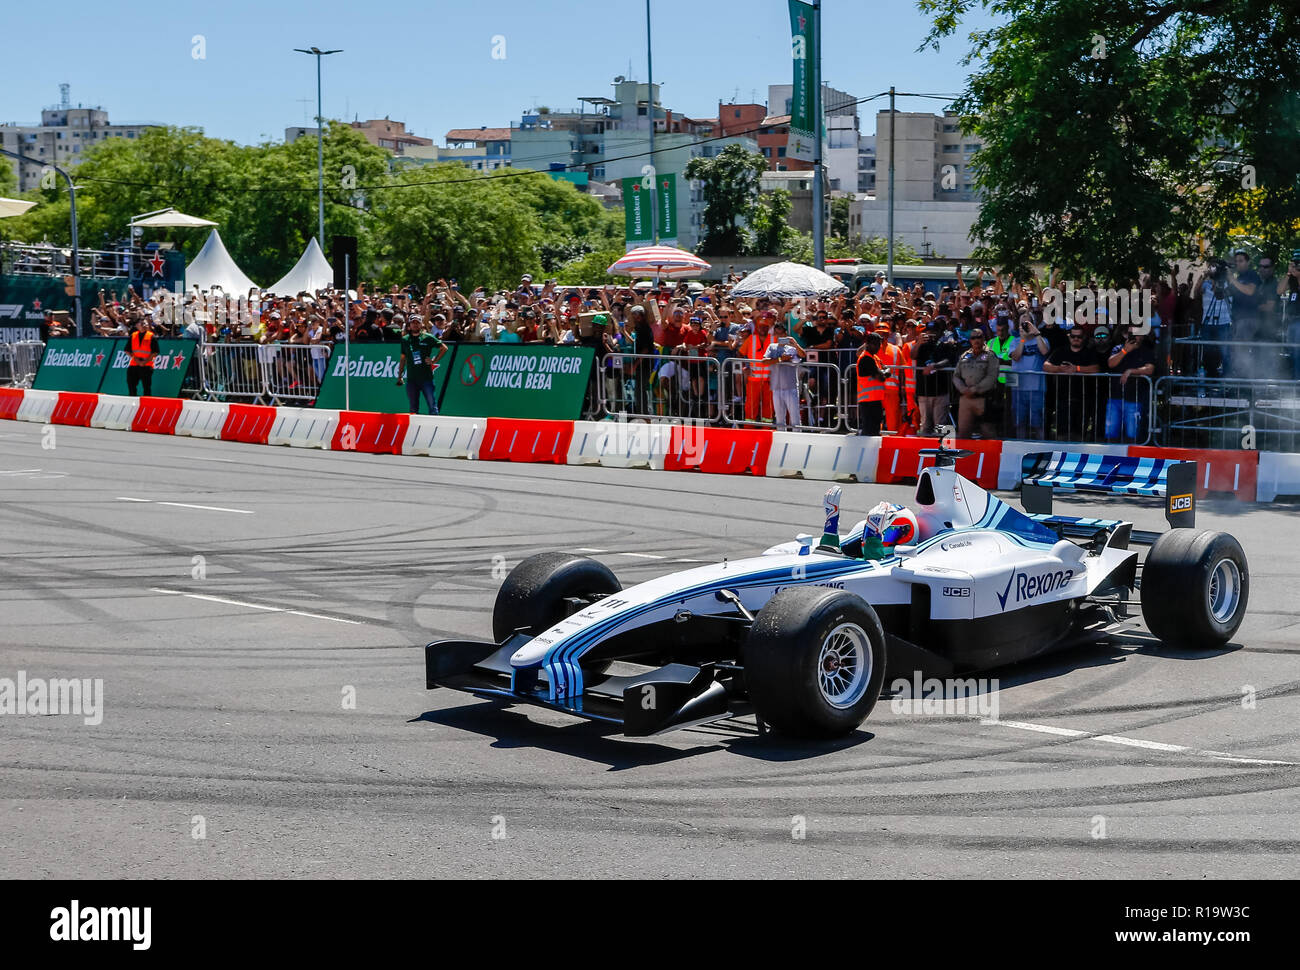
[1278,475]
[303,427]
[824,457]
[201,419]
[444,437]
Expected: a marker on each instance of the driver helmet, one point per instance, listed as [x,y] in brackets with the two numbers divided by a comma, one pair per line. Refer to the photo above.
[892,524]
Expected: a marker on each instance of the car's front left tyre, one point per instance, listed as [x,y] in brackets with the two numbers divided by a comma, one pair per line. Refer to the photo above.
[536,595]
[815,661]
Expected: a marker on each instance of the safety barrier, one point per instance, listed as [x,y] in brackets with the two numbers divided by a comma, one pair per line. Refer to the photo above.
[1220,471]
[1222,413]
[157,415]
[114,412]
[37,406]
[900,459]
[19,362]
[620,444]
[201,419]
[11,399]
[74,408]
[249,423]
[521,439]
[370,432]
[823,457]
[721,451]
[1277,475]
[811,405]
[303,427]
[1009,465]
[444,437]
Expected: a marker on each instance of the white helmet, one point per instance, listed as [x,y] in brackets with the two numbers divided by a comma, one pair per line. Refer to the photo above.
[893,524]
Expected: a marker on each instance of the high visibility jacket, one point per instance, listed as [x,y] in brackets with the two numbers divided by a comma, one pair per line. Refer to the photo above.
[143,348]
[890,356]
[754,347]
[909,373]
[870,388]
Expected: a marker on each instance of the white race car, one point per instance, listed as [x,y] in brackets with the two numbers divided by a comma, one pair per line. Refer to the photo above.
[804,636]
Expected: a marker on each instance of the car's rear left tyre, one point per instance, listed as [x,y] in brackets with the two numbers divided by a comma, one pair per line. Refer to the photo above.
[815,661]
[1195,586]
[534,596]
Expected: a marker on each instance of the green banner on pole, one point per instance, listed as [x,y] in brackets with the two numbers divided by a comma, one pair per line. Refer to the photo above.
[373,370]
[636,213]
[667,202]
[803,45]
[75,364]
[25,299]
[514,381]
[169,367]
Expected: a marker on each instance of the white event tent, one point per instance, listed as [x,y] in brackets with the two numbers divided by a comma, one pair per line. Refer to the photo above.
[213,267]
[311,273]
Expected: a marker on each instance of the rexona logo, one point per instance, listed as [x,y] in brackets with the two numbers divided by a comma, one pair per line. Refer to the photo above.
[360,367]
[1180,503]
[1030,586]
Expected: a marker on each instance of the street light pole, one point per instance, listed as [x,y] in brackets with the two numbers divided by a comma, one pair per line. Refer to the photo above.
[890,270]
[650,110]
[76,257]
[320,143]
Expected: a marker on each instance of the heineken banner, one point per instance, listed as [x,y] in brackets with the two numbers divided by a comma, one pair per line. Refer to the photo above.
[169,367]
[636,213]
[24,299]
[803,103]
[666,206]
[517,381]
[371,372]
[75,364]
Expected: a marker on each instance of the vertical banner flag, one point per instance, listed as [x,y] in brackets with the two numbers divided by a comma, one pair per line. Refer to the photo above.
[666,198]
[803,40]
[636,212]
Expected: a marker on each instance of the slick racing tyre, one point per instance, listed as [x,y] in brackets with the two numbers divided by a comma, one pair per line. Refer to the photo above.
[1194,588]
[533,597]
[815,661]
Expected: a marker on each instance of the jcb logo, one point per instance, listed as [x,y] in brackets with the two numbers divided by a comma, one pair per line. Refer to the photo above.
[1180,503]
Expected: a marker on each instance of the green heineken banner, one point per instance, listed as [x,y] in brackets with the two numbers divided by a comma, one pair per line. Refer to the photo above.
[666,202]
[24,299]
[75,364]
[371,371]
[636,213]
[517,381]
[803,100]
[169,367]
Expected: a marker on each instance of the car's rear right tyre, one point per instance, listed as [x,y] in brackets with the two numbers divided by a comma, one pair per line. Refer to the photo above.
[1195,586]
[815,661]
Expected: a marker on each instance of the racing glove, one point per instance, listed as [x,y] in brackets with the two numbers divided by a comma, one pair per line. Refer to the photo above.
[831,506]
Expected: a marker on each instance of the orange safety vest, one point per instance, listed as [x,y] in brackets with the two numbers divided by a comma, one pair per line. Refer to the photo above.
[870,388]
[754,347]
[142,351]
[909,373]
[890,356]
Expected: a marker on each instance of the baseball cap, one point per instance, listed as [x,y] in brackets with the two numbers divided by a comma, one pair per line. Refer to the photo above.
[600,320]
[1101,333]
[1295,255]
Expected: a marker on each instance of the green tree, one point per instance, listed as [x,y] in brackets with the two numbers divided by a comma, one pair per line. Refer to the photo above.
[770,224]
[8,180]
[590,268]
[840,208]
[446,221]
[731,190]
[1116,132]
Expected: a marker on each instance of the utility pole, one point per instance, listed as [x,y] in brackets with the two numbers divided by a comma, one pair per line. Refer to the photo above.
[889,270]
[320,143]
[819,170]
[650,110]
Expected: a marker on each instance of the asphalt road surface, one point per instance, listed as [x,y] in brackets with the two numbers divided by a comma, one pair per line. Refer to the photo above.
[264,713]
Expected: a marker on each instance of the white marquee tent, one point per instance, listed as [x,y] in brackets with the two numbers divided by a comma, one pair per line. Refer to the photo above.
[213,267]
[311,273]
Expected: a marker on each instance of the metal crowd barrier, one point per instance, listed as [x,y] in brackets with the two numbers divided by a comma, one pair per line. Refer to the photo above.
[19,362]
[261,373]
[816,398]
[1200,412]
[660,386]
[1238,359]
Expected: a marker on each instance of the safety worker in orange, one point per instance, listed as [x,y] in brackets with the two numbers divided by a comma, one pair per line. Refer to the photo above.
[758,386]
[890,359]
[871,387]
[911,417]
[143,347]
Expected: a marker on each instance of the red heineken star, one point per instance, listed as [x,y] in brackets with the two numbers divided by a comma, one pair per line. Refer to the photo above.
[157,263]
[178,359]
[802,23]
[36,304]
[99,359]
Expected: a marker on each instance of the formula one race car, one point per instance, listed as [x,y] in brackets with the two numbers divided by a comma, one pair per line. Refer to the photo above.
[804,636]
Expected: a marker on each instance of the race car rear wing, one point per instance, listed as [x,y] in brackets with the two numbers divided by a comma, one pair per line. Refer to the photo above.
[1045,473]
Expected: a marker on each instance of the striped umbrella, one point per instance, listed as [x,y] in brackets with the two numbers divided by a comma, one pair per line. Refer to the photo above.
[658,261]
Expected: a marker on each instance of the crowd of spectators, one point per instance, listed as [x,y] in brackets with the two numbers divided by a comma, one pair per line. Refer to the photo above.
[982,357]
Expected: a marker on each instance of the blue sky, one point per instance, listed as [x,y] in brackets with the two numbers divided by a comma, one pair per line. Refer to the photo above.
[430,63]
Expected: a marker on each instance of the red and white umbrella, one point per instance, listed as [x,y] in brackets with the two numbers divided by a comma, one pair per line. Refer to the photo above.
[658,261]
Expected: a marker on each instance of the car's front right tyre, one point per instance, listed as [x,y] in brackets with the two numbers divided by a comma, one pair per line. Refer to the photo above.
[815,662]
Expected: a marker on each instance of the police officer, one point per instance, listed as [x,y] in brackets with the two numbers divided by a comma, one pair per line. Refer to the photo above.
[974,379]
[143,347]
